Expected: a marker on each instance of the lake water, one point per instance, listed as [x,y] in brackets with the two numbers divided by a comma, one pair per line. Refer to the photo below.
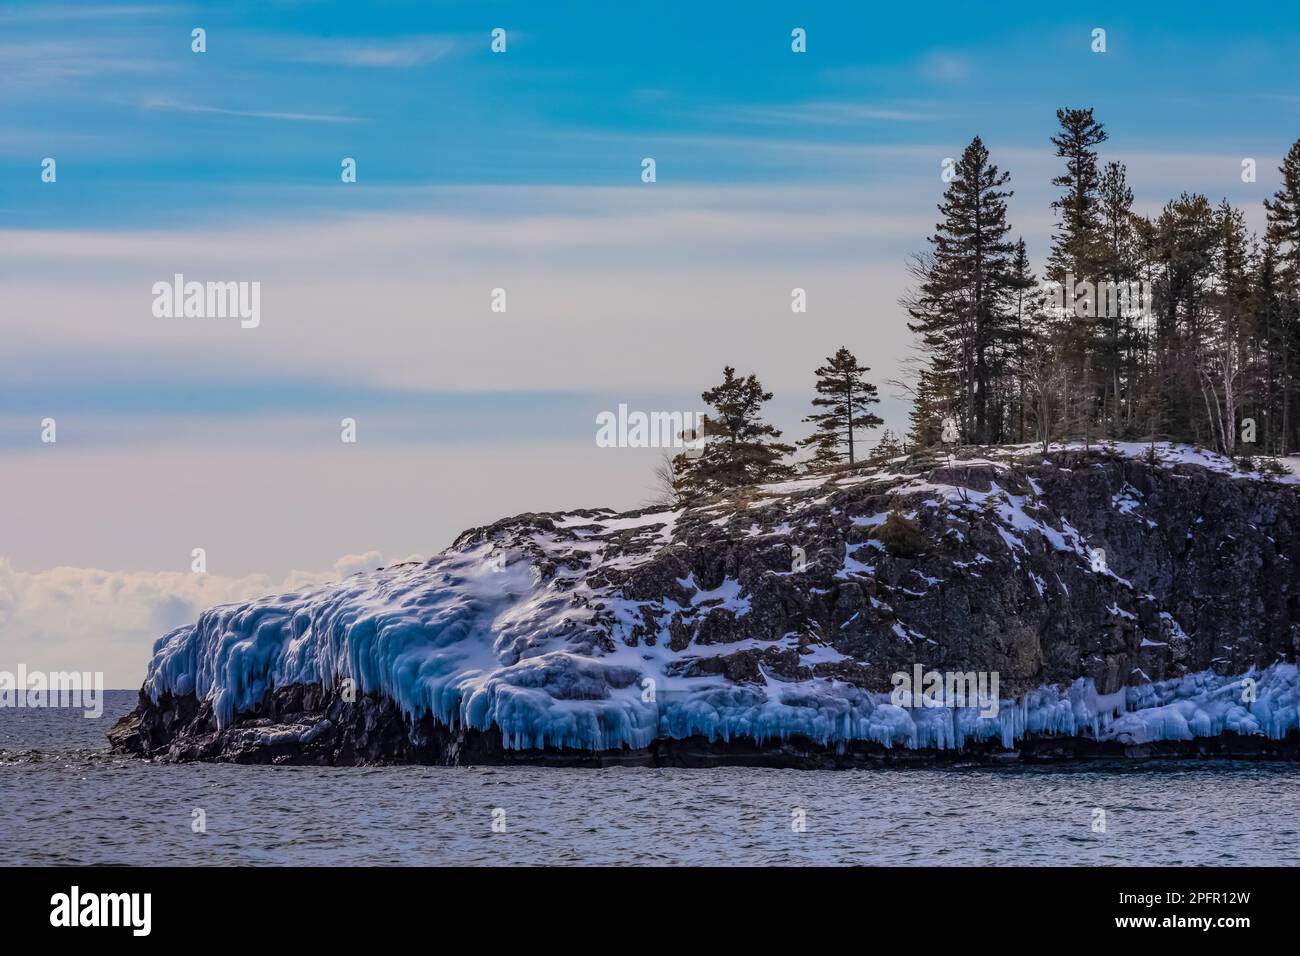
[65,799]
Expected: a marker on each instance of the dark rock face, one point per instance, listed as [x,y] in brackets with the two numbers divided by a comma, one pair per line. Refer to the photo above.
[300,724]
[1201,571]
[1204,574]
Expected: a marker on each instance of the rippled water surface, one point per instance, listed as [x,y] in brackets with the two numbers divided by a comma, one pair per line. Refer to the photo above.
[64,799]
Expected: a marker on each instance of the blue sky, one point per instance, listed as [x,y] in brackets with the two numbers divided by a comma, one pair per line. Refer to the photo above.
[149,134]
[477,170]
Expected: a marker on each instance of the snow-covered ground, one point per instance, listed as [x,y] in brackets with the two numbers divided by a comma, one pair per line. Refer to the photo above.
[1169,455]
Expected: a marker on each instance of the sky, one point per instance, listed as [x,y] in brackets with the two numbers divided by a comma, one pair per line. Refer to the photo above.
[476,170]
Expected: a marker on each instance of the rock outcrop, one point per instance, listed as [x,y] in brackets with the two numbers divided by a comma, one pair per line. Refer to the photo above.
[1127,603]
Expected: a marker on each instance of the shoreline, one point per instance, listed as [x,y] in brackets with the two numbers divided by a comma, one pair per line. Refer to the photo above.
[303,725]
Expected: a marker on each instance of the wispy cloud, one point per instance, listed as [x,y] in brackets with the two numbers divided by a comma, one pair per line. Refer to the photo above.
[169,104]
[826,113]
[24,141]
[394,54]
[45,11]
[47,62]
[488,222]
[941,67]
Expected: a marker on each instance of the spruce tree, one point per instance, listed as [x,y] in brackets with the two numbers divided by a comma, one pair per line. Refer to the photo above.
[889,446]
[1076,253]
[933,400]
[1021,283]
[1283,213]
[959,309]
[1074,247]
[1117,264]
[1283,233]
[1220,344]
[846,397]
[1187,235]
[744,452]
[1268,342]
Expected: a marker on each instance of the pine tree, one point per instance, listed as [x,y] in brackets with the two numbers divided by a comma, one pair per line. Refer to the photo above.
[744,452]
[1074,247]
[1268,341]
[1117,264]
[889,446]
[847,397]
[1021,284]
[1283,213]
[934,399]
[1219,343]
[1075,255]
[1186,237]
[1283,233]
[959,309]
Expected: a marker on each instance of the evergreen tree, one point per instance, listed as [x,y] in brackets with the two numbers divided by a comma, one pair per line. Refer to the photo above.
[959,309]
[933,400]
[1075,246]
[889,446]
[846,397]
[744,452]
[1117,338]
[1218,344]
[1268,342]
[1283,213]
[1186,236]
[1076,255]
[1021,283]
[1224,362]
[1283,233]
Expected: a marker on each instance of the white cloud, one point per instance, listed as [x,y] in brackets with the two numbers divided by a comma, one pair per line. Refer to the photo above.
[352,563]
[87,619]
[38,12]
[397,54]
[557,220]
[650,290]
[40,63]
[941,67]
[168,104]
[823,113]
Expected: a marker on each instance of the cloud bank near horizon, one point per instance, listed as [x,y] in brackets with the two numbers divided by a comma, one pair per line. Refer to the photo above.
[90,619]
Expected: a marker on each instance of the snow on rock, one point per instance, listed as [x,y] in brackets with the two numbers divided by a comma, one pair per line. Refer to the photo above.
[596,631]
[482,647]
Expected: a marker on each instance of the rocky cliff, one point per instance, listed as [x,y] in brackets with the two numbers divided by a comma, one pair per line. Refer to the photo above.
[1124,599]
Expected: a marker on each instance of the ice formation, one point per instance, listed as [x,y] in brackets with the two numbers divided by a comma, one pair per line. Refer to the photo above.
[514,631]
